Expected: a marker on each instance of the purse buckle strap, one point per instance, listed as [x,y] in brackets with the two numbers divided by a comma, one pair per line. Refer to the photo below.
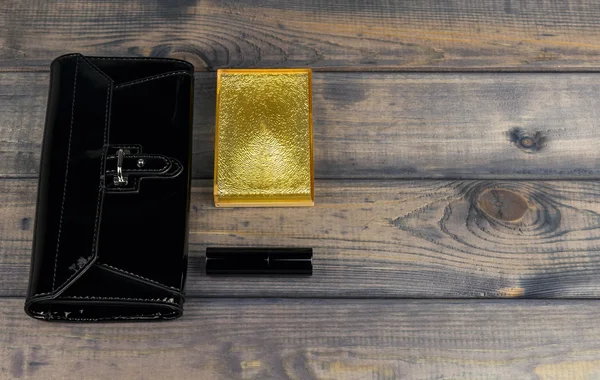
[120,179]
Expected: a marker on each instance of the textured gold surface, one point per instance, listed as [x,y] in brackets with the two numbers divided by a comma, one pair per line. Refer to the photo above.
[263,145]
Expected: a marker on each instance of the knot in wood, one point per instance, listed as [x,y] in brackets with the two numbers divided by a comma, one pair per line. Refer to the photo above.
[527,142]
[503,204]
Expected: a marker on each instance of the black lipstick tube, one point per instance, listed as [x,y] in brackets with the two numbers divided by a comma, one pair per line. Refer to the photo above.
[251,261]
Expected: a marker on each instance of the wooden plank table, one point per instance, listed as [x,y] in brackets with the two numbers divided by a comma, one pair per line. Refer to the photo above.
[456,168]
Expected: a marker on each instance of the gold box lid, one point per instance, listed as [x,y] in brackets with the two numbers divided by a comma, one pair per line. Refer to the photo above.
[263,140]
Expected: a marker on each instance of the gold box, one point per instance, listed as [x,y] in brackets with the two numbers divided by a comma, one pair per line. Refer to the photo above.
[263,141]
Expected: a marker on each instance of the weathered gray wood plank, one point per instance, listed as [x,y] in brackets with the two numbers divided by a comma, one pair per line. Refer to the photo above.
[421,238]
[333,35]
[390,125]
[315,339]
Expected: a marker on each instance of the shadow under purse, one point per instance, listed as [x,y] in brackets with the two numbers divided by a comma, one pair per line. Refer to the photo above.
[110,239]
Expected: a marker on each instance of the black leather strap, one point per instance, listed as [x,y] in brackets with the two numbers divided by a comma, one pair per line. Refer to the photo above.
[139,164]
[136,166]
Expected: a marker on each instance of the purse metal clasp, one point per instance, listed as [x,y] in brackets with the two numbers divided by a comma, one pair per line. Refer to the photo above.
[119,179]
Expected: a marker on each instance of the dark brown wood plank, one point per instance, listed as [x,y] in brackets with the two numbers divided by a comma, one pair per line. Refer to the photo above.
[315,339]
[333,35]
[443,239]
[390,125]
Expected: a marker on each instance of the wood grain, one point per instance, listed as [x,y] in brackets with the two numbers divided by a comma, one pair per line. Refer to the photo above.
[440,239]
[389,125]
[332,35]
[315,339]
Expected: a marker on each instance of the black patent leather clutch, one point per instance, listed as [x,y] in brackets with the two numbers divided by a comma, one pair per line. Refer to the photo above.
[110,239]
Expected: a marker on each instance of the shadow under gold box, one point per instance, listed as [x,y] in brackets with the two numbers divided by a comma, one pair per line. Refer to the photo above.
[263,141]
